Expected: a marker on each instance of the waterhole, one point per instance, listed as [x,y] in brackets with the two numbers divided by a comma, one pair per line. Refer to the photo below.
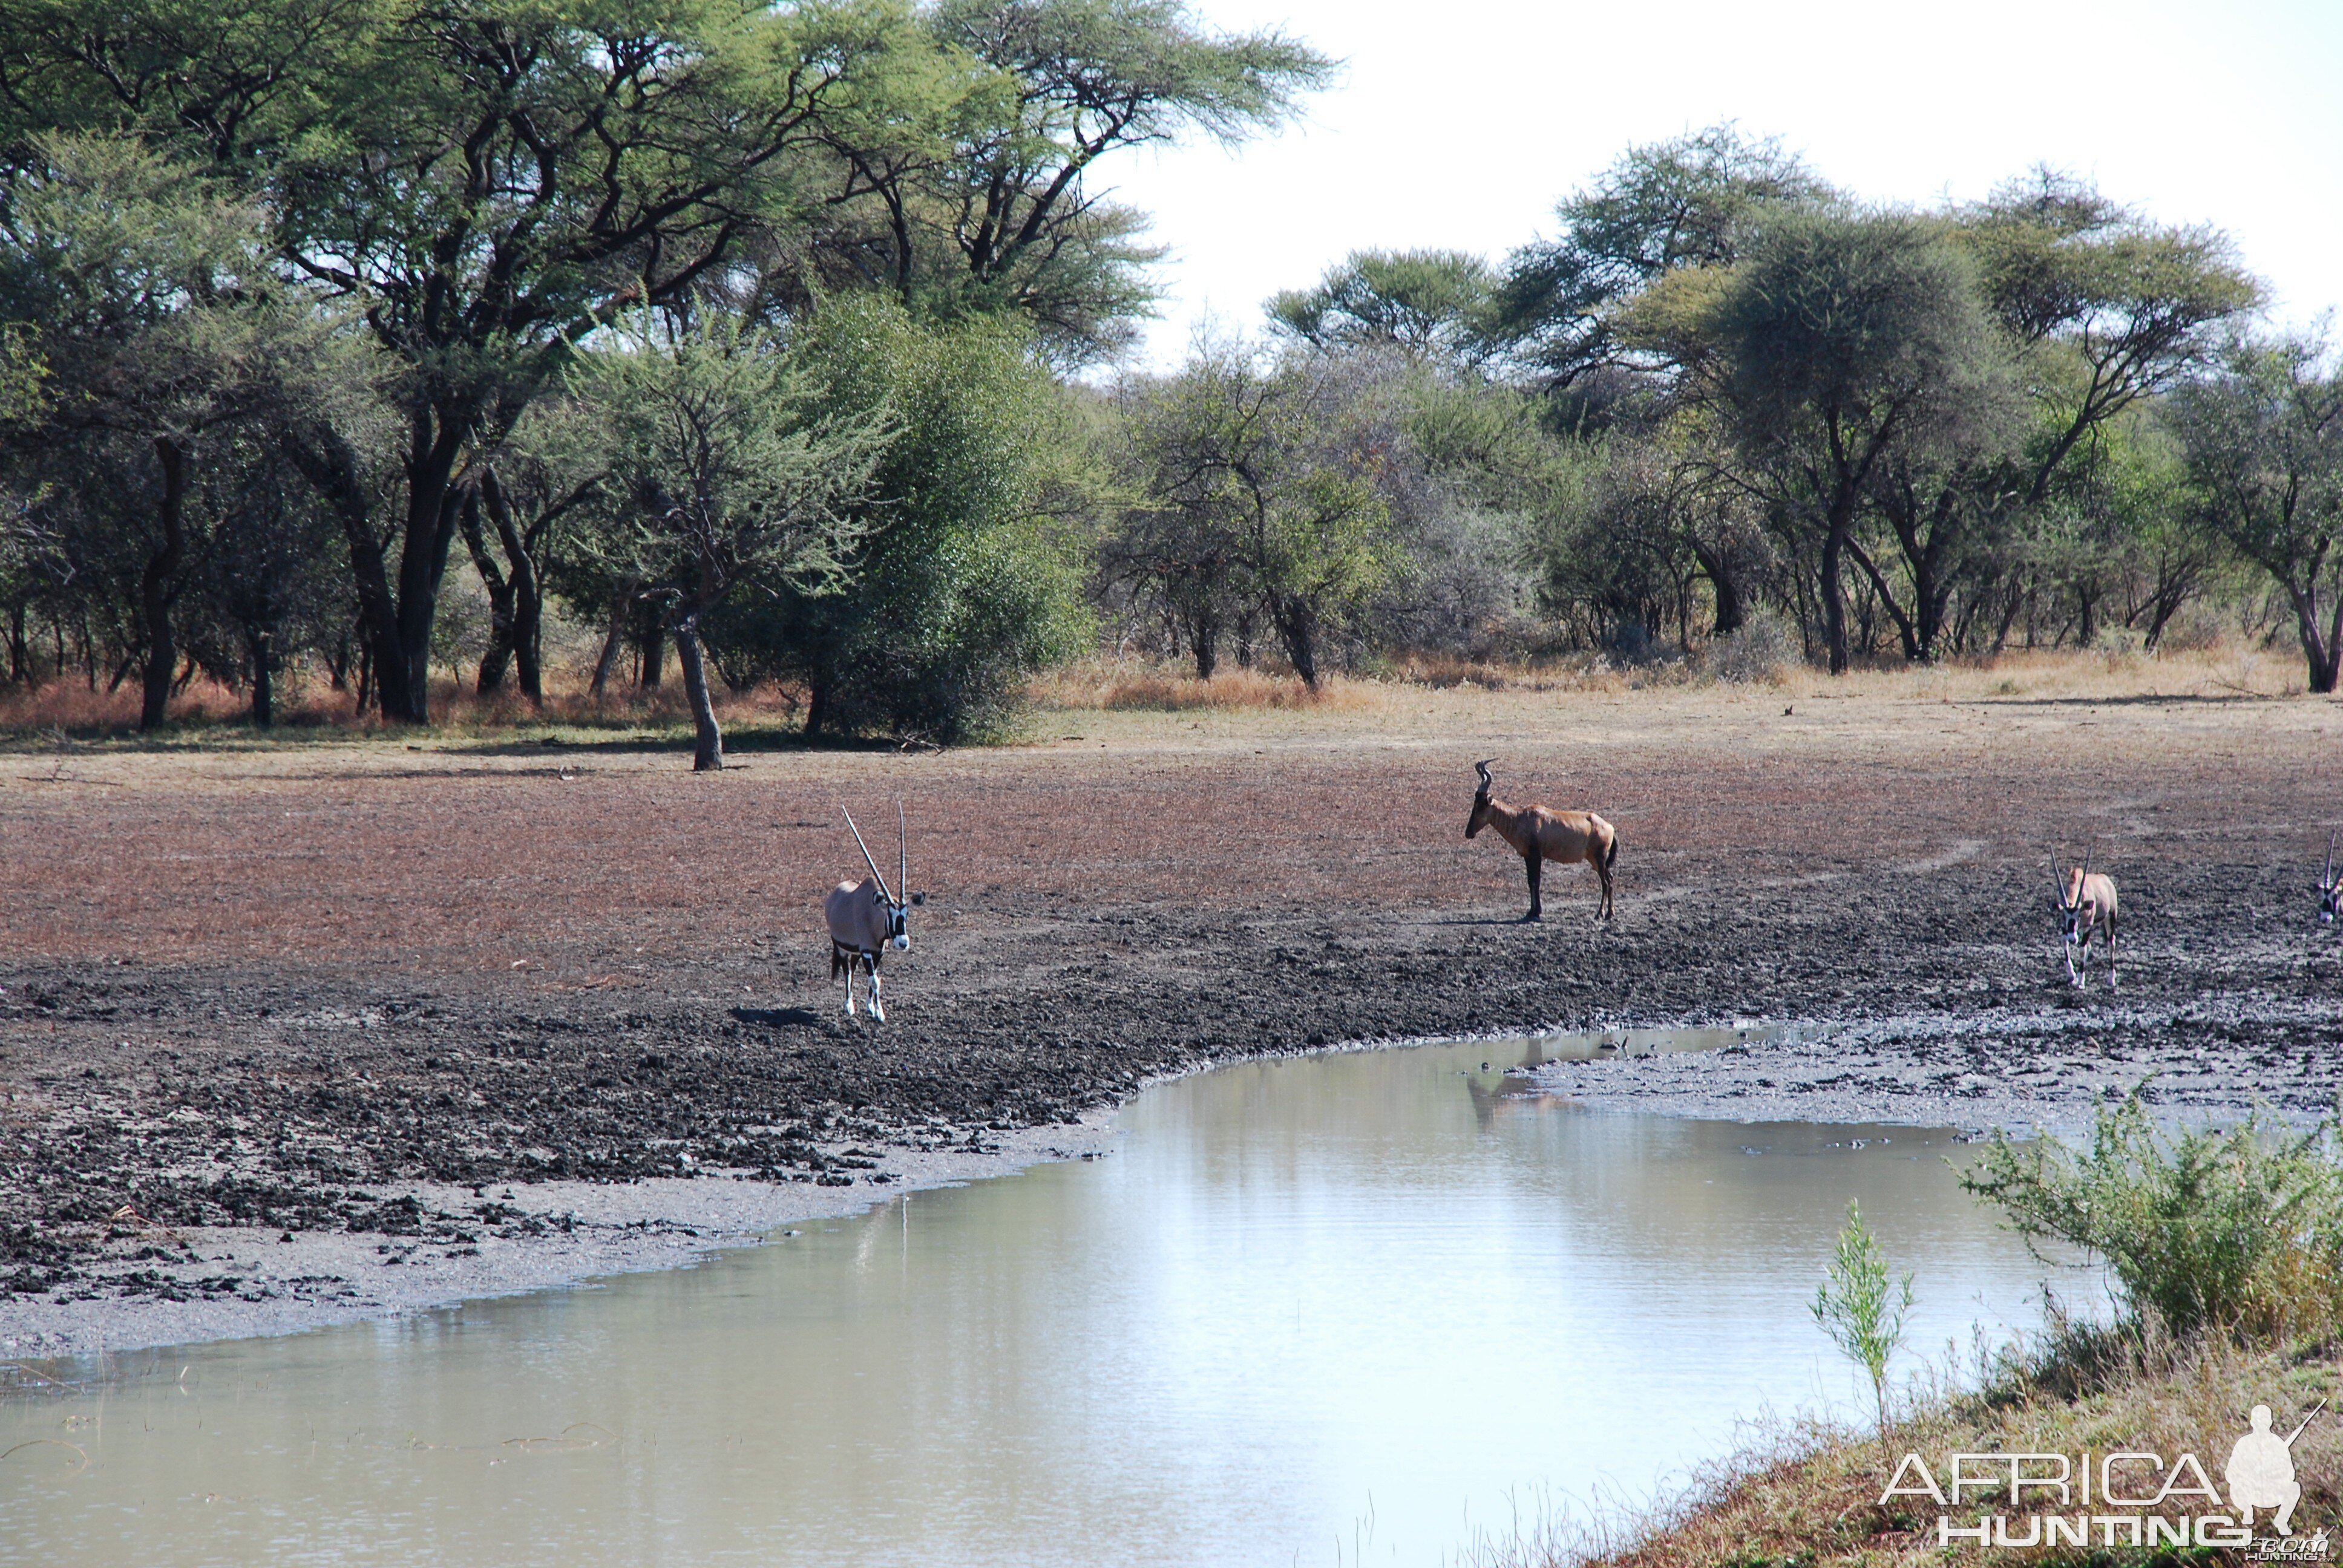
[1310,1309]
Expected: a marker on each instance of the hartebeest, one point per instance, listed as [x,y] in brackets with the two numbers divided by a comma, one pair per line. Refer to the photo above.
[2331,888]
[1539,835]
[866,918]
[2085,902]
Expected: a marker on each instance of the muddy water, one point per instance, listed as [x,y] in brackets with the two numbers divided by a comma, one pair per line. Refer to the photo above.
[1309,1308]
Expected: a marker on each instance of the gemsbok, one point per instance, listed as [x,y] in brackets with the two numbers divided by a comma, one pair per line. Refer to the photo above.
[1539,835]
[2331,888]
[866,917]
[2086,903]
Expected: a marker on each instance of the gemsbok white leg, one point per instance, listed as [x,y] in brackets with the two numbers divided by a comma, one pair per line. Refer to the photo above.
[878,1012]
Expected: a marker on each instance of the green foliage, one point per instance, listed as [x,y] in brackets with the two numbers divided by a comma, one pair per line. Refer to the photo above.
[976,139]
[1861,1306]
[1270,470]
[2239,1229]
[1869,327]
[1421,302]
[727,460]
[139,286]
[2263,443]
[963,585]
[1692,203]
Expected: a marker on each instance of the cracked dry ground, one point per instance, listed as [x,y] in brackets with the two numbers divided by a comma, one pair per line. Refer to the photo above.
[252,985]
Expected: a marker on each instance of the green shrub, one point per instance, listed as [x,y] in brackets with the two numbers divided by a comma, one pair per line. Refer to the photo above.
[964,586]
[2239,1229]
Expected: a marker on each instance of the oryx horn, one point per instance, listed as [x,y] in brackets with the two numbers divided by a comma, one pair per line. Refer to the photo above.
[866,856]
[2327,876]
[2057,879]
[2087,853]
[903,853]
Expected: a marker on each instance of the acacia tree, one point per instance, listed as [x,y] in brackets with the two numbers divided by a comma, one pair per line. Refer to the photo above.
[483,187]
[1427,304]
[2099,309]
[1842,339]
[1269,464]
[1080,80]
[726,468]
[2263,442]
[1693,202]
[146,295]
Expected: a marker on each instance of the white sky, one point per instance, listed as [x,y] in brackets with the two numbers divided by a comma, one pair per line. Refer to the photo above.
[1458,124]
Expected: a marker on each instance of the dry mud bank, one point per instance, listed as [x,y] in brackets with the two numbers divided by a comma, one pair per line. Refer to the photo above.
[356,994]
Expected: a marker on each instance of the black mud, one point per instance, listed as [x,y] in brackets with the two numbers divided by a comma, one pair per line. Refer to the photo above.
[140,1101]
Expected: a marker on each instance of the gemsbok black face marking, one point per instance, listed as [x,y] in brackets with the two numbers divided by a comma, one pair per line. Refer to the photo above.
[867,917]
[2330,887]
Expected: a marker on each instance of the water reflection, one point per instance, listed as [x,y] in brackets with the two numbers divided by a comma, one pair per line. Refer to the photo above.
[1303,1294]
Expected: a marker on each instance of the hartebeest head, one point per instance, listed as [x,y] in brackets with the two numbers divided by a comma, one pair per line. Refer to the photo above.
[1480,818]
[898,907]
[2331,888]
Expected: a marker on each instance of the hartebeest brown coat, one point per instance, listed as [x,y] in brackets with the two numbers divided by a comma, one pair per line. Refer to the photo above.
[1539,834]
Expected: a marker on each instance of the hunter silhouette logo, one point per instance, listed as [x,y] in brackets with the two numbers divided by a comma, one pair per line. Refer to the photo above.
[2126,1497]
[2261,1471]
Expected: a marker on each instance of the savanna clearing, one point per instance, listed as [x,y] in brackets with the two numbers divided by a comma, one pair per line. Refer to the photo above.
[264,984]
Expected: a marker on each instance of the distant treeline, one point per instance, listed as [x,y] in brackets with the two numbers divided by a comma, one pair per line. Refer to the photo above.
[772,337]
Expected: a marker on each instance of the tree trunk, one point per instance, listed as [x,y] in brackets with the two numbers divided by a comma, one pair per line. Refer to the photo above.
[330,465]
[707,750]
[817,707]
[155,586]
[435,443]
[2322,648]
[264,678]
[615,643]
[528,594]
[1297,628]
[1205,641]
[497,656]
[1914,650]
[1834,600]
[649,672]
[522,610]
[1716,566]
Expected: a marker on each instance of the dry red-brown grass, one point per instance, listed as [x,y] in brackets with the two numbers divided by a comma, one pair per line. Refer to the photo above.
[73,708]
[1129,686]
[470,851]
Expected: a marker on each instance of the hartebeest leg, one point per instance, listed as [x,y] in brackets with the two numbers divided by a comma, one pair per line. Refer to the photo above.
[1533,863]
[1602,912]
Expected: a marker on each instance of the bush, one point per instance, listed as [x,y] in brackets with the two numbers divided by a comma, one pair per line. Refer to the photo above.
[964,589]
[2240,1230]
[1764,651]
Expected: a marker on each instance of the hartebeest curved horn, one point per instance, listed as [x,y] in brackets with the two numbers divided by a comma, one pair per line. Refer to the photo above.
[866,856]
[1483,769]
